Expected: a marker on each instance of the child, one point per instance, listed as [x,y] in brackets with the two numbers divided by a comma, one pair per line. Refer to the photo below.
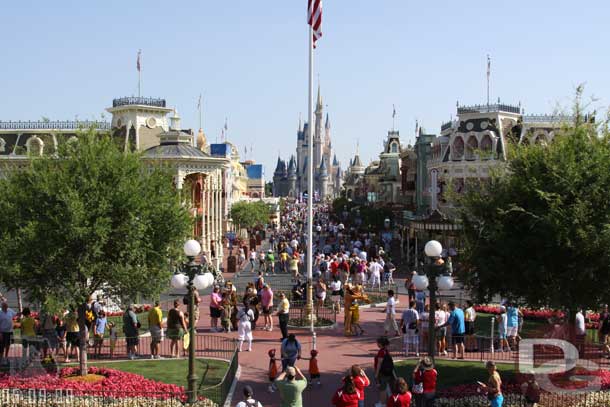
[225,316]
[272,370]
[314,371]
[113,337]
[355,310]
[60,331]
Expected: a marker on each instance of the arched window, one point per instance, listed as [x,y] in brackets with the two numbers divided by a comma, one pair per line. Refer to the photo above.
[458,148]
[197,195]
[486,146]
[2,145]
[394,147]
[471,147]
[34,146]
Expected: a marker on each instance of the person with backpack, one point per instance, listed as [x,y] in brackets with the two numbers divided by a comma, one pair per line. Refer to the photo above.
[248,400]
[244,327]
[384,369]
[424,383]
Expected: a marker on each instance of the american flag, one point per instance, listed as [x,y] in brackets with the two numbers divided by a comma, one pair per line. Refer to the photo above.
[314,19]
[138,65]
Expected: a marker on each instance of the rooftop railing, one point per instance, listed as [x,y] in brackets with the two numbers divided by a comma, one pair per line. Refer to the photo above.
[498,107]
[548,118]
[54,125]
[138,100]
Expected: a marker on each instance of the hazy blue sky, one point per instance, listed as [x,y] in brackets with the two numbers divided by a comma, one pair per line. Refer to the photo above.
[249,58]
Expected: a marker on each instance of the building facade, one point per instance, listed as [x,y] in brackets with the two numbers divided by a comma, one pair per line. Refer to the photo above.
[290,178]
[139,124]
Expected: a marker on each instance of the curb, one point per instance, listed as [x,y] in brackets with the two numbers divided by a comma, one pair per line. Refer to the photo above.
[229,398]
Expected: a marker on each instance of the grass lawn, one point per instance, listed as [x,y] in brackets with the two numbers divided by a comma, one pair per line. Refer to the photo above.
[452,373]
[173,371]
[531,329]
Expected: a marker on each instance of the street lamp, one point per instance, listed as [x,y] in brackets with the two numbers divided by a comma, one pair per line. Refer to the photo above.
[192,278]
[436,277]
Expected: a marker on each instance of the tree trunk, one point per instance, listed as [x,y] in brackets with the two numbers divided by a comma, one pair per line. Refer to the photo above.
[84,338]
[19,300]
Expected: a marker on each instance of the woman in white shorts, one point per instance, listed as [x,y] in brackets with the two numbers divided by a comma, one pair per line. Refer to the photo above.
[335,293]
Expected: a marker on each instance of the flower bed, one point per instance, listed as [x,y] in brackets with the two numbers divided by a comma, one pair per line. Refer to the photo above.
[113,383]
[592,318]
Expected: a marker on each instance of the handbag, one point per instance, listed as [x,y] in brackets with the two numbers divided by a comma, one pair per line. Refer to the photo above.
[418,388]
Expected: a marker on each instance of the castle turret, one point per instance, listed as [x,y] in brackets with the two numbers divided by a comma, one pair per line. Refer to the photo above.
[323,177]
[292,177]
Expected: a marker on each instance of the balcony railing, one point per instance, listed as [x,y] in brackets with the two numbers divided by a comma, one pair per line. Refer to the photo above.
[54,125]
[498,107]
[548,118]
[138,100]
[446,125]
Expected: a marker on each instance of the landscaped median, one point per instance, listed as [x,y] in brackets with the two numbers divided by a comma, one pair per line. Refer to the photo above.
[133,383]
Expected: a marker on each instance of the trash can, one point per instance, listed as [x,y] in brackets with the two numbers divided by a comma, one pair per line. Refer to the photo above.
[231,264]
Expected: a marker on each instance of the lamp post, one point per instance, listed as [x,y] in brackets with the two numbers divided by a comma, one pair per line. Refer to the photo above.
[192,278]
[437,276]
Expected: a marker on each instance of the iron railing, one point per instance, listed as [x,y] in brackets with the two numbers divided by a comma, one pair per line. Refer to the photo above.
[138,100]
[219,393]
[498,107]
[54,125]
[88,398]
[548,118]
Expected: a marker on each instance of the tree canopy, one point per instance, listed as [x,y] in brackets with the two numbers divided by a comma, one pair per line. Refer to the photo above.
[539,231]
[250,214]
[92,217]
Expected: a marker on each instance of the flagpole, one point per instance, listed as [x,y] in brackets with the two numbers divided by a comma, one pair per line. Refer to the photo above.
[310,193]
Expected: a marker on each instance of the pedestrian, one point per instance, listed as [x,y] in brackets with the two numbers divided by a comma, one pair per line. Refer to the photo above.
[347,395]
[291,383]
[215,308]
[283,310]
[99,329]
[531,390]
[375,270]
[502,321]
[603,330]
[440,318]
[290,351]
[424,382]
[112,336]
[267,306]
[456,321]
[270,260]
[320,292]
[409,324]
[244,327]
[336,293]
[272,372]
[6,331]
[252,258]
[155,326]
[248,400]
[355,327]
[493,388]
[28,333]
[390,316]
[361,381]
[470,316]
[512,324]
[60,333]
[226,312]
[176,327]
[49,345]
[388,272]
[580,331]
[410,286]
[72,335]
[420,300]
[401,397]
[294,266]
[131,326]
[384,370]
[314,370]
[241,259]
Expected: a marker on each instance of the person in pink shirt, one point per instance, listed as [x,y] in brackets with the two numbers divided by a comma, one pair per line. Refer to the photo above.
[215,308]
[267,304]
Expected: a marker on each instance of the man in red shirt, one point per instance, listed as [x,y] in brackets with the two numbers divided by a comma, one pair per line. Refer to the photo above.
[334,267]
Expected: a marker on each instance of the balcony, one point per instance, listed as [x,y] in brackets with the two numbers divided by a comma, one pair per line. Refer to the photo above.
[138,100]
[54,125]
[498,107]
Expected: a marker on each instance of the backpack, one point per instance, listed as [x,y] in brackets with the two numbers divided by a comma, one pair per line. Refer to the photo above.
[387,365]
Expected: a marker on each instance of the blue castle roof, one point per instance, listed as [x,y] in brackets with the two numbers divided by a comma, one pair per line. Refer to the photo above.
[255,171]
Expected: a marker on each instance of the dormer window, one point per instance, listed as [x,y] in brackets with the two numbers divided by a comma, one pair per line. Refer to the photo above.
[394,147]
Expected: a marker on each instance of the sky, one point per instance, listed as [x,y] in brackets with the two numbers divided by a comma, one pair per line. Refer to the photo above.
[67,59]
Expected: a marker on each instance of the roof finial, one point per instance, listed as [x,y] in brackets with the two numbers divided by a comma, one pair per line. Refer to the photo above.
[319,104]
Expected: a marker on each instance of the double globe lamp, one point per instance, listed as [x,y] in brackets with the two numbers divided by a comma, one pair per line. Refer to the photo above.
[192,278]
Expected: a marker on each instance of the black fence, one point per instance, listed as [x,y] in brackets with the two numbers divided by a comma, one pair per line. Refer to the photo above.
[219,393]
[326,315]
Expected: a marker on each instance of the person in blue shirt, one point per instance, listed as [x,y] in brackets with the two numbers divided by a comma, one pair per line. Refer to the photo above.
[458,328]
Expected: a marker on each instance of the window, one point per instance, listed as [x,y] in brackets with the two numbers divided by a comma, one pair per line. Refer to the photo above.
[458,148]
[34,146]
[394,147]
[471,148]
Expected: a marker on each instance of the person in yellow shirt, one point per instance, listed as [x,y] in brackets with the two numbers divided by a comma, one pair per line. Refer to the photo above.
[28,332]
[72,335]
[155,325]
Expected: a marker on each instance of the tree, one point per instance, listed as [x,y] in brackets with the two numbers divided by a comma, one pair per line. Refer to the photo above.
[250,214]
[92,217]
[539,231]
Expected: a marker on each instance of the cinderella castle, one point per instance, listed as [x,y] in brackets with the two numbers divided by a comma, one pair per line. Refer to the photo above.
[290,179]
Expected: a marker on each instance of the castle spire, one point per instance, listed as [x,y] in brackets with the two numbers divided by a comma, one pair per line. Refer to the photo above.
[300,123]
[319,104]
[327,125]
